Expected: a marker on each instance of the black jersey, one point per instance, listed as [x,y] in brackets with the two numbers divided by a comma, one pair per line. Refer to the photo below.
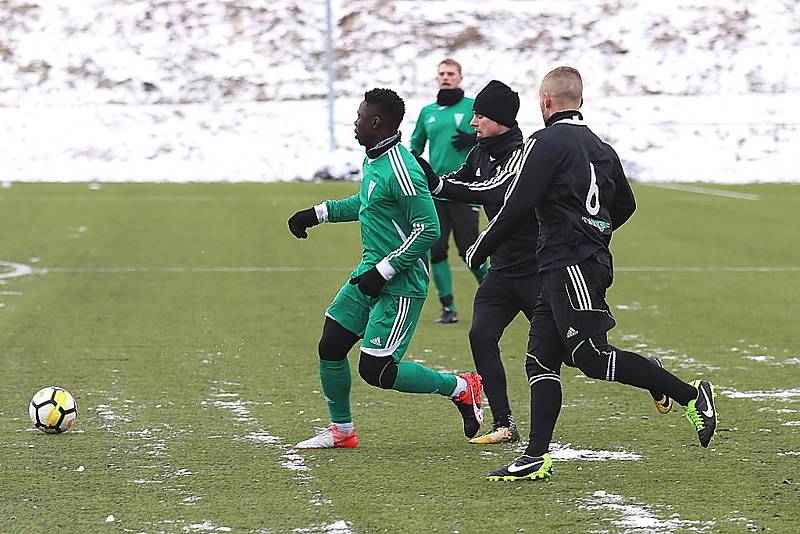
[485,178]
[575,183]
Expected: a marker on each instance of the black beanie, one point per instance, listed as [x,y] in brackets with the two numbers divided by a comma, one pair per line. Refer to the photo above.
[498,102]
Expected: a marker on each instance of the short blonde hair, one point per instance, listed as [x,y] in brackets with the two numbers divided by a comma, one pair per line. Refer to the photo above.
[450,61]
[564,84]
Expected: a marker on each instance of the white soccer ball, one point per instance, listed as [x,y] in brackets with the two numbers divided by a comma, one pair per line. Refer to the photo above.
[53,410]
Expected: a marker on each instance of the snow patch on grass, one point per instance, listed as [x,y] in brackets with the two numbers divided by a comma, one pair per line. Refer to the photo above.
[565,453]
[205,526]
[638,518]
[234,404]
[338,527]
[789,395]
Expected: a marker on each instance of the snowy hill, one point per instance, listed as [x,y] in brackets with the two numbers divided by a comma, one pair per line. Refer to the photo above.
[191,90]
[93,51]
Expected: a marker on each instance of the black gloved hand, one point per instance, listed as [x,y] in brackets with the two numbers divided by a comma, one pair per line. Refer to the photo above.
[472,260]
[301,220]
[433,179]
[370,282]
[463,140]
[430,174]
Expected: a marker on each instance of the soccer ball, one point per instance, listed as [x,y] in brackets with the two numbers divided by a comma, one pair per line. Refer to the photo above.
[53,410]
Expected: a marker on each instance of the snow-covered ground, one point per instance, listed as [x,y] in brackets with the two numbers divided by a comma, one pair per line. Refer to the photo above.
[191,90]
[736,139]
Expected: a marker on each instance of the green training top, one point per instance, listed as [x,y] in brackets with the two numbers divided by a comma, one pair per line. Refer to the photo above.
[398,220]
[438,124]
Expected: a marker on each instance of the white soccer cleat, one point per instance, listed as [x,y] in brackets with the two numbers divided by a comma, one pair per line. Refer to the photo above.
[330,438]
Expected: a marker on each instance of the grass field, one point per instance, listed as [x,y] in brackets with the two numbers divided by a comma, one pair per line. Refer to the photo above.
[185,320]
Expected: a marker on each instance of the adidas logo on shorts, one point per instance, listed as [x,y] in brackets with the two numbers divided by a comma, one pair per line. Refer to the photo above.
[571,332]
[375,341]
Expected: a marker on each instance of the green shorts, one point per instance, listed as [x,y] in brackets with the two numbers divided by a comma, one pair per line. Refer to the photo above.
[386,323]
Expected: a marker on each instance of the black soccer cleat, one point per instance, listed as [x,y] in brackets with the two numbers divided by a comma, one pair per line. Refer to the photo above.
[702,412]
[525,467]
[447,317]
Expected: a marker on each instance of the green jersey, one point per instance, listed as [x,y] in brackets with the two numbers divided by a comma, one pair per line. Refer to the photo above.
[438,124]
[398,220]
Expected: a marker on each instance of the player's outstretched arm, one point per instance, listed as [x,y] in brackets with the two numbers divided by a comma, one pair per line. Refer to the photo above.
[460,184]
[329,211]
[463,186]
[526,191]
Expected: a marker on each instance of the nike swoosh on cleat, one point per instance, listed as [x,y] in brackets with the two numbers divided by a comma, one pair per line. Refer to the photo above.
[478,412]
[514,468]
[709,411]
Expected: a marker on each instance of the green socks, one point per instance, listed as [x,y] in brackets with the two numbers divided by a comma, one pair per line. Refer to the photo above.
[336,382]
[442,277]
[411,378]
[415,378]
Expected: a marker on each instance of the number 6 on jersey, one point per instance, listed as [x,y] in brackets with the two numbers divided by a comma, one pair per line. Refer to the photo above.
[593,198]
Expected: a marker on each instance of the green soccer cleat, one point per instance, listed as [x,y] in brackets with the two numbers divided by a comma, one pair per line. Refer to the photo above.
[702,412]
[525,468]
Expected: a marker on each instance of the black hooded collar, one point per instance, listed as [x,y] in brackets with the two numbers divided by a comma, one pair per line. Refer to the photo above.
[559,116]
[498,146]
[383,146]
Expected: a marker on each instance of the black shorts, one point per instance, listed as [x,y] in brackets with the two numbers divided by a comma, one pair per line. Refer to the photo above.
[462,220]
[571,308]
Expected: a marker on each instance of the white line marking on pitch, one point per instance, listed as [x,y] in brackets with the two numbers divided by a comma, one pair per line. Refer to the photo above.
[192,270]
[705,191]
[752,269]
[647,269]
[19,269]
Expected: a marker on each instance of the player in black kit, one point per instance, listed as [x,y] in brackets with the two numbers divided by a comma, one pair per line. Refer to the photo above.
[575,184]
[513,283]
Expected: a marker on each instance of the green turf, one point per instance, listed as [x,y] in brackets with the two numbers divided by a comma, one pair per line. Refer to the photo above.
[176,360]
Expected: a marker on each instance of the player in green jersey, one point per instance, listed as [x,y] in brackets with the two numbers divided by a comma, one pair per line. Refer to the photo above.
[445,126]
[382,300]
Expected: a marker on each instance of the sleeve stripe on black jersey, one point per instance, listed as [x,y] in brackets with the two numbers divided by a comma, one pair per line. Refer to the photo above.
[508,171]
[528,147]
[401,172]
[415,233]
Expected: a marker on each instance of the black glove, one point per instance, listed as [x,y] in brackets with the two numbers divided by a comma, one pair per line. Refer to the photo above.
[463,140]
[473,261]
[433,179]
[370,282]
[301,220]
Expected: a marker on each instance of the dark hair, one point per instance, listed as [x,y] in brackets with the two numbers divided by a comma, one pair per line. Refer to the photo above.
[388,105]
